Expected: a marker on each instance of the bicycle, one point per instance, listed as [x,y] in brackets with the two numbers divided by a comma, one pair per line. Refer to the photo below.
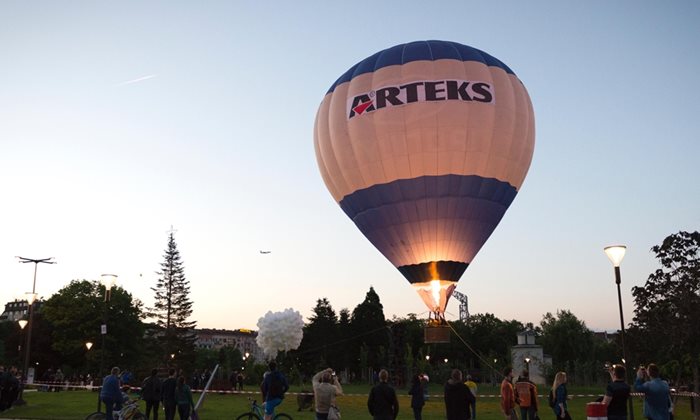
[129,411]
[256,413]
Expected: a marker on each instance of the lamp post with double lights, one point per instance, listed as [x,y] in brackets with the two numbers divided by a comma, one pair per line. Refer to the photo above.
[31,297]
[616,253]
[108,281]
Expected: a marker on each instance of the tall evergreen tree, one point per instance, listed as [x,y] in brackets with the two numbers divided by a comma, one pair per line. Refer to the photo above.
[369,325]
[173,306]
[320,336]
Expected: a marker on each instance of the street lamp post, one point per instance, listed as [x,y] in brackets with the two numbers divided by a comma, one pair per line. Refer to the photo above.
[527,364]
[616,253]
[88,346]
[495,375]
[22,323]
[108,281]
[30,296]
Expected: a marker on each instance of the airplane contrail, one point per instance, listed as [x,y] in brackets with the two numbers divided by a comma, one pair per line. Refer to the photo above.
[140,79]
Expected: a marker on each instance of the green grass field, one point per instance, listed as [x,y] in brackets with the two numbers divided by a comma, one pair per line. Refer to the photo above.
[75,405]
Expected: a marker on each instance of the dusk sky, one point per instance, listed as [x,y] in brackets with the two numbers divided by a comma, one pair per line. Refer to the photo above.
[119,120]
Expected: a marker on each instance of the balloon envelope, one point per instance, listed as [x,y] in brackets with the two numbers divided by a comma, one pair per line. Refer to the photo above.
[424,146]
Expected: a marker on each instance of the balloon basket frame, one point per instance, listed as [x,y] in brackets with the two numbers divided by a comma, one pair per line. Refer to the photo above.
[436,331]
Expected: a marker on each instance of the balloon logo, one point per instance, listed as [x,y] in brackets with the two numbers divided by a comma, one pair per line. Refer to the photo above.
[424,146]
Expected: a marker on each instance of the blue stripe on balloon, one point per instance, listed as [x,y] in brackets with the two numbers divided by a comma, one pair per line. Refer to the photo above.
[417,51]
[387,214]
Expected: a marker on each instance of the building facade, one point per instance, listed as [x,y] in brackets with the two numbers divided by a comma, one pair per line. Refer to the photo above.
[16,310]
[530,356]
[242,339]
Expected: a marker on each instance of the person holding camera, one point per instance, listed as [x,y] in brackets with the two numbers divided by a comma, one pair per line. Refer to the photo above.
[326,388]
[617,393]
[657,394]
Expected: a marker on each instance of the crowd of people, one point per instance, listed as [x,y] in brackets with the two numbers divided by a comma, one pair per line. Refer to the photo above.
[519,398]
[172,392]
[658,404]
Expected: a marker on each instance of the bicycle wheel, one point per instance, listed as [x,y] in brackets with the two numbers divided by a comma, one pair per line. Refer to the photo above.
[96,416]
[248,416]
[138,416]
[282,416]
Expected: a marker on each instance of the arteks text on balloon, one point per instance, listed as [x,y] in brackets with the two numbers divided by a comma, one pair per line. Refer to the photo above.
[420,91]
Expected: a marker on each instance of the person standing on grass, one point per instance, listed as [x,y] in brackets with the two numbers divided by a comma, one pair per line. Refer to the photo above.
[150,392]
[239,380]
[458,397]
[657,395]
[167,395]
[474,389]
[111,393]
[617,393]
[507,393]
[9,387]
[526,396]
[417,397]
[561,395]
[183,397]
[326,388]
[382,402]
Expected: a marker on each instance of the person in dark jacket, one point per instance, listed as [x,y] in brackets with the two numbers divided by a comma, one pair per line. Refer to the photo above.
[150,392]
[417,397]
[273,387]
[617,393]
[382,402]
[458,397]
[111,393]
[167,395]
[9,388]
[183,397]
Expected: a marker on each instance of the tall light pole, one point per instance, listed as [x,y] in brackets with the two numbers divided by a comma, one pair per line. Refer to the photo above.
[30,296]
[22,323]
[495,375]
[527,364]
[108,281]
[616,253]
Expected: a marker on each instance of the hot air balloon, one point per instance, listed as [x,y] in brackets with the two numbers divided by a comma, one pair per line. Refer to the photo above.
[424,146]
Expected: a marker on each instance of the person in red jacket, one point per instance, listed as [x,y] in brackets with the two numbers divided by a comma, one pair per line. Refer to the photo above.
[507,394]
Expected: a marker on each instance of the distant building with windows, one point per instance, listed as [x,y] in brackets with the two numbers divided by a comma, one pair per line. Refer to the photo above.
[241,339]
[608,337]
[17,309]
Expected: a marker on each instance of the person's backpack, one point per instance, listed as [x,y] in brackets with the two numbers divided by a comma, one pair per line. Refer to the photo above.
[551,399]
[522,390]
[276,388]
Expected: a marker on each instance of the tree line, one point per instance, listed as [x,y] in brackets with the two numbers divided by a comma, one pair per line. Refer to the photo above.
[361,341]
